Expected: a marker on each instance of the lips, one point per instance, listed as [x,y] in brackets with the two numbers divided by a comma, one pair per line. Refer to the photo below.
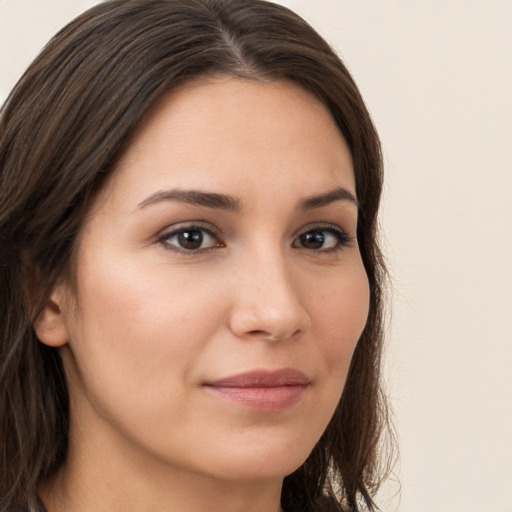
[262,390]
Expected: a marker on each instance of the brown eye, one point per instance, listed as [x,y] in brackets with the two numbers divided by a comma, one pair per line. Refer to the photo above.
[312,239]
[190,239]
[322,239]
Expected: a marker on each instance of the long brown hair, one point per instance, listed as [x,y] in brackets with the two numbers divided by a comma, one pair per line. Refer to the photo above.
[61,130]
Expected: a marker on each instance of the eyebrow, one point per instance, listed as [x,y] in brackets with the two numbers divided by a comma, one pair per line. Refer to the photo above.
[338,194]
[194,197]
[230,203]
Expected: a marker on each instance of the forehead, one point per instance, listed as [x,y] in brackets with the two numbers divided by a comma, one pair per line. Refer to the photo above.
[227,133]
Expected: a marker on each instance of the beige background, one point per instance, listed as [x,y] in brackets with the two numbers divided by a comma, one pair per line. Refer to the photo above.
[437,78]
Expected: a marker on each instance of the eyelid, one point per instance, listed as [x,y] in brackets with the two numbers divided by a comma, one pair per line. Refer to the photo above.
[344,238]
[322,226]
[181,227]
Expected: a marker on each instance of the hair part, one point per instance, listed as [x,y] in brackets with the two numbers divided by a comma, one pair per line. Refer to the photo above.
[61,131]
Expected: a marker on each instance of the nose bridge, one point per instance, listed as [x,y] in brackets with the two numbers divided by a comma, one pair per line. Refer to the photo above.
[268,302]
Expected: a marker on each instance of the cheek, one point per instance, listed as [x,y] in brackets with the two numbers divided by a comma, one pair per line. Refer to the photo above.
[148,303]
[341,312]
[137,331]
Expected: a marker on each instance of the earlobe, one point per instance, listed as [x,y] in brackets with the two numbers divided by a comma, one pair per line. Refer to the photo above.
[50,325]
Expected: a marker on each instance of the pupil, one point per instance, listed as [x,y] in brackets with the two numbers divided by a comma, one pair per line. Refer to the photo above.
[190,239]
[312,240]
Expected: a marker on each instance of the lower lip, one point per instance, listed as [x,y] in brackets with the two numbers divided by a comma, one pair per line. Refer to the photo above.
[267,399]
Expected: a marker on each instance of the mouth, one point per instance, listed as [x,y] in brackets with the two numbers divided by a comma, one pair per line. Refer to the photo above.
[262,390]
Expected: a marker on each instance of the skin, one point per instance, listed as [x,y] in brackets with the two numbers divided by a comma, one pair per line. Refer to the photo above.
[146,323]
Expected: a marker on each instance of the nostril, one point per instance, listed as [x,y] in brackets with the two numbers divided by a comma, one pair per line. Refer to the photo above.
[261,333]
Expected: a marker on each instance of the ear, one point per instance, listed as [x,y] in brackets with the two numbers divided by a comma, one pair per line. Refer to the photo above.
[50,325]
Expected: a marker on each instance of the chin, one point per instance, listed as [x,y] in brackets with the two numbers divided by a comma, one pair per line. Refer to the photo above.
[262,461]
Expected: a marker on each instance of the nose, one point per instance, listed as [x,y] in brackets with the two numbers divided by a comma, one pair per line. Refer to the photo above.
[268,303]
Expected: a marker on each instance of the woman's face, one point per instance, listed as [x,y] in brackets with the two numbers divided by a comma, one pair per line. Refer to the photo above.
[219,290]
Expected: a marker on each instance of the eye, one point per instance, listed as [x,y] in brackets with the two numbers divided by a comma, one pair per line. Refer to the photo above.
[323,239]
[191,239]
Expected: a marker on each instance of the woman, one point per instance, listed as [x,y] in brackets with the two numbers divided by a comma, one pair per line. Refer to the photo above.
[192,316]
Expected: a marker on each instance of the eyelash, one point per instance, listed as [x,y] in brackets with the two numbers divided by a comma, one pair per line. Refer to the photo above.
[342,238]
[166,237]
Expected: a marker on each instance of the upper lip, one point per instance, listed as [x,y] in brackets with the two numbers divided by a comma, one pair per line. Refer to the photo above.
[263,379]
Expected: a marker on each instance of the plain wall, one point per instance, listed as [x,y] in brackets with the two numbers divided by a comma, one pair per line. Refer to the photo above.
[437,78]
